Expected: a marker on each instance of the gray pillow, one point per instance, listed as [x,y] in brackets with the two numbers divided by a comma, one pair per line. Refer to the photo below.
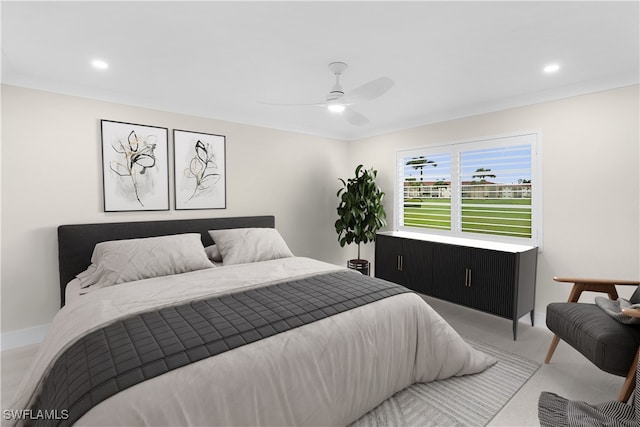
[120,261]
[213,253]
[244,245]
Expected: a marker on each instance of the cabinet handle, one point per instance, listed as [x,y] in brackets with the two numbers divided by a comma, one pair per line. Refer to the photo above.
[398,263]
[401,262]
[467,277]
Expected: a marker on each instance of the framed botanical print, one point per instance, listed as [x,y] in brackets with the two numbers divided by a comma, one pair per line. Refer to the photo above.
[135,167]
[199,168]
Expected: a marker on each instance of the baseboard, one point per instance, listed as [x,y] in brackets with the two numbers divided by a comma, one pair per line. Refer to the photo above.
[22,337]
[539,319]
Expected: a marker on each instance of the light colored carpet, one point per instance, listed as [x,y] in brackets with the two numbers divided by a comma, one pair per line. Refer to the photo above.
[471,400]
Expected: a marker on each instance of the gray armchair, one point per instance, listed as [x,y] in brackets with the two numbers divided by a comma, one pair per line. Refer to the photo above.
[609,344]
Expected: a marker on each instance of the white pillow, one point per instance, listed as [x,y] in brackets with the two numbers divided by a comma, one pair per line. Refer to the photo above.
[120,261]
[244,245]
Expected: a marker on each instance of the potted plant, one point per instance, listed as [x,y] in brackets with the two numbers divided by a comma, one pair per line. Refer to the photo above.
[360,213]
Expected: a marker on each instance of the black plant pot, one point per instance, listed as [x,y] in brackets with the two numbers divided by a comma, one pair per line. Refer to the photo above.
[361,265]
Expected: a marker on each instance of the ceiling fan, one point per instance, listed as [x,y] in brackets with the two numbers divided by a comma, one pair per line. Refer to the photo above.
[338,102]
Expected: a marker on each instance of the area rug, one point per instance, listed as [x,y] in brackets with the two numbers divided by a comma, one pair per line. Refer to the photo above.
[471,400]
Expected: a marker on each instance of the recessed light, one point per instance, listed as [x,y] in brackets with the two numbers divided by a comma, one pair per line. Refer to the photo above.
[551,68]
[99,64]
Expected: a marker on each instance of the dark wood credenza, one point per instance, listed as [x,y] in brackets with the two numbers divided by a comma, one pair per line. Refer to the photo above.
[495,278]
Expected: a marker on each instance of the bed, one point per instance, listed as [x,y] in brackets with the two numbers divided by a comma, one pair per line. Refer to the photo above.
[248,335]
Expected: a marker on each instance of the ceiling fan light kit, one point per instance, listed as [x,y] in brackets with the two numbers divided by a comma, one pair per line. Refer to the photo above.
[338,102]
[336,108]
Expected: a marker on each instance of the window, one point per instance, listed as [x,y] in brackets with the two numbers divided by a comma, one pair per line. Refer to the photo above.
[484,189]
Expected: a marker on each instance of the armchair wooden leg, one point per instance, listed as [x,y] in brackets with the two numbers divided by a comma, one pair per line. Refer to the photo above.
[630,381]
[552,348]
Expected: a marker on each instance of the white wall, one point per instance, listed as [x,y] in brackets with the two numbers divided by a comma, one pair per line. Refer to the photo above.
[51,175]
[591,180]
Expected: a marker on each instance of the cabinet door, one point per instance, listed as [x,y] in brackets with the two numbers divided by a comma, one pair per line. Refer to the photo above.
[451,266]
[388,258]
[492,283]
[417,265]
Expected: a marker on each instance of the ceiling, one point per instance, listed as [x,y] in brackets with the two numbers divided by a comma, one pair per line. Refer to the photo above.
[225,60]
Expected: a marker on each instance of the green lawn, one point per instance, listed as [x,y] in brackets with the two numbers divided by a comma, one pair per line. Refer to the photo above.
[435,214]
[486,216]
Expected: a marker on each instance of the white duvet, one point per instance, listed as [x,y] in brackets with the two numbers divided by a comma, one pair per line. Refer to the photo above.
[329,372]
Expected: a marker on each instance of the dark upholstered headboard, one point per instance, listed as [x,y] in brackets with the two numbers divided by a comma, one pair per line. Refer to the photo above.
[76,242]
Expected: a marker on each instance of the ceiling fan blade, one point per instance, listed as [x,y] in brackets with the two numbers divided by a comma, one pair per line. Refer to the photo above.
[368,91]
[353,117]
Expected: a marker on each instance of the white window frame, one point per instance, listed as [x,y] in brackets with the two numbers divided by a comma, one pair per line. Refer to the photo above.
[455,148]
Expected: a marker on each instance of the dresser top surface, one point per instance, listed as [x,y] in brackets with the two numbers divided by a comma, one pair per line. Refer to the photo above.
[481,244]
